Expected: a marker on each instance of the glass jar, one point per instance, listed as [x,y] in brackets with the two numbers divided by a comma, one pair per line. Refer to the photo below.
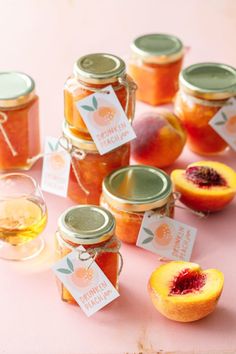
[19,122]
[155,65]
[130,191]
[204,89]
[93,228]
[89,168]
[92,73]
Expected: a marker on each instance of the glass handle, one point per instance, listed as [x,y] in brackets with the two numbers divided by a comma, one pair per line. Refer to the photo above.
[3,119]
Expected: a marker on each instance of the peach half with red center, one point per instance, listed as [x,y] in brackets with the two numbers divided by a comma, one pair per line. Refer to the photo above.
[206,186]
[160,138]
[183,292]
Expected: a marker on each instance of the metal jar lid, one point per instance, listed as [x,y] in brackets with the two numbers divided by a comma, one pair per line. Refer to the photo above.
[86,224]
[75,141]
[211,81]
[99,68]
[16,89]
[158,48]
[137,188]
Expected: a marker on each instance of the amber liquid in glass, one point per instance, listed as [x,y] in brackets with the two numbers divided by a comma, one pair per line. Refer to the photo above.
[21,220]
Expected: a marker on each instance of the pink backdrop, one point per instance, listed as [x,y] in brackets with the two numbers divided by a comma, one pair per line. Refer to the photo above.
[43,38]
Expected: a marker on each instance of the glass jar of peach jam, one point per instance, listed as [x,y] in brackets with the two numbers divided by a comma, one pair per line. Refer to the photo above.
[19,122]
[92,227]
[155,65]
[204,89]
[89,168]
[130,191]
[92,73]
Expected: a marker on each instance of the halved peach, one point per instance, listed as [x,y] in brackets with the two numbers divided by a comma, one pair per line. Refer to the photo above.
[182,291]
[205,185]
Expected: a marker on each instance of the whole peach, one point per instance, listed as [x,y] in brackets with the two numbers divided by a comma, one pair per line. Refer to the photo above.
[160,138]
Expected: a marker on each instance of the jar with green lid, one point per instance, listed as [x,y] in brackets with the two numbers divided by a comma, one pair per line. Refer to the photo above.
[155,64]
[129,192]
[92,73]
[92,227]
[89,168]
[19,121]
[204,89]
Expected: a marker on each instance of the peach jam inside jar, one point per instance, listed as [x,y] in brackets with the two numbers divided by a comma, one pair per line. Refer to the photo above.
[155,65]
[89,168]
[19,122]
[204,89]
[91,74]
[94,228]
[130,191]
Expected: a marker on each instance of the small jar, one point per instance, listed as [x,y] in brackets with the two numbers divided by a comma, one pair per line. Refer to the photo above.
[93,228]
[92,73]
[19,122]
[130,191]
[155,65]
[204,89]
[89,168]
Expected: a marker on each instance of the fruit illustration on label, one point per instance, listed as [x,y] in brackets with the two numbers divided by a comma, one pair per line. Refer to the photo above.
[57,160]
[82,277]
[206,186]
[229,123]
[182,291]
[161,236]
[103,115]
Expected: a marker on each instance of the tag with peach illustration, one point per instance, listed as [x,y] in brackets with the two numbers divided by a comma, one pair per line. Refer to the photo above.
[166,237]
[56,168]
[224,122]
[85,281]
[105,120]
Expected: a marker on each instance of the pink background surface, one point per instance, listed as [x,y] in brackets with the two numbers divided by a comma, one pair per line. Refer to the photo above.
[43,38]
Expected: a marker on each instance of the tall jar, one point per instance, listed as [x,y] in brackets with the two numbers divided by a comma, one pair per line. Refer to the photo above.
[130,191]
[89,168]
[155,65]
[204,90]
[19,122]
[93,228]
[92,73]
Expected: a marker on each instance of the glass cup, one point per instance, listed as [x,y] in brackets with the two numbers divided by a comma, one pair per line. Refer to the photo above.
[23,217]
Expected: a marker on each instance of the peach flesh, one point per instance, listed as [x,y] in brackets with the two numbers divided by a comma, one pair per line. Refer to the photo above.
[204,176]
[186,282]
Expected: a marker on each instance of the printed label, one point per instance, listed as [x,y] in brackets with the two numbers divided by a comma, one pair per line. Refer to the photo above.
[166,237]
[85,281]
[106,120]
[224,122]
[56,168]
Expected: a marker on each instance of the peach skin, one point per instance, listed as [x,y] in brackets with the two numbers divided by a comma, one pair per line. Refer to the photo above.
[160,138]
[183,292]
[206,186]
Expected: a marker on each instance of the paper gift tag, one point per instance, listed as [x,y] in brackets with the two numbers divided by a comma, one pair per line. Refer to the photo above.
[166,237]
[106,120]
[224,122]
[85,280]
[56,168]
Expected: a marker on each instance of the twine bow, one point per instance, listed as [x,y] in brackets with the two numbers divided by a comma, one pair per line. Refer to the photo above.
[93,252]
[74,153]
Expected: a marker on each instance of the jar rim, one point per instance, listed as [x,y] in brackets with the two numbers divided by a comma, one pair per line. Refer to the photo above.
[210,81]
[137,188]
[86,224]
[158,48]
[16,89]
[87,145]
[99,68]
